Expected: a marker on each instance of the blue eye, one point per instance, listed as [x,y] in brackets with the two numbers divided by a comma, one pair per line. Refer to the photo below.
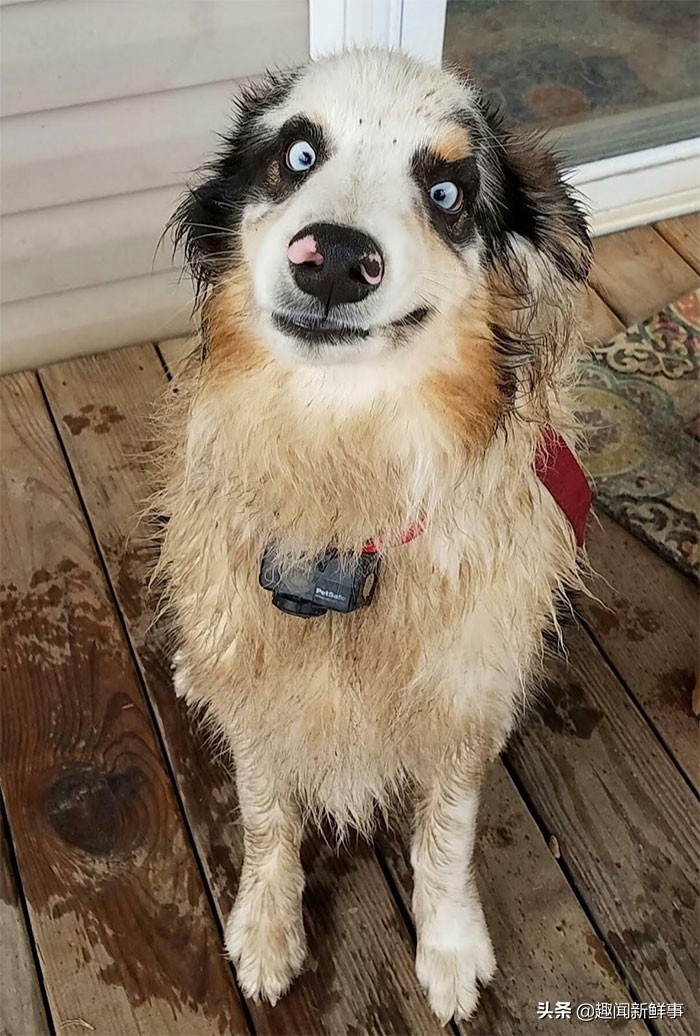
[447,196]
[300,156]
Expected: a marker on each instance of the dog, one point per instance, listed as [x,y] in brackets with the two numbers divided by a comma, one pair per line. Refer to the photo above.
[388,279]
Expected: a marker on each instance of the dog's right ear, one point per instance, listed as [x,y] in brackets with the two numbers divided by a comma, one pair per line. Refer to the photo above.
[526,197]
[206,222]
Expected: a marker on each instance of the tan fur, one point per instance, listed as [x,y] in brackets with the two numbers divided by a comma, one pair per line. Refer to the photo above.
[452,144]
[468,394]
[337,715]
[354,705]
[345,711]
[266,926]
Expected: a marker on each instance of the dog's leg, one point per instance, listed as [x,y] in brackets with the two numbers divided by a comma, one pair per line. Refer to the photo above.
[454,950]
[265,930]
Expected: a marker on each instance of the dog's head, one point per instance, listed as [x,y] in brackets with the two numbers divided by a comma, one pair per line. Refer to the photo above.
[368,197]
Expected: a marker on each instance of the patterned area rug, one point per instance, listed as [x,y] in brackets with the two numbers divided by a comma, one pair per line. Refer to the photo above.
[640,406]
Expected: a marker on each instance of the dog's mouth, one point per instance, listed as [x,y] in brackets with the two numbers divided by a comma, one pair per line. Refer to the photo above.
[330,332]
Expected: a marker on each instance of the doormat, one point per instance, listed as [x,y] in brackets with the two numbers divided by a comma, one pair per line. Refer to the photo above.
[639,406]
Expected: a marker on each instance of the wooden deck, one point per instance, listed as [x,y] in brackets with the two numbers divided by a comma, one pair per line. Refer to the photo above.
[120,844]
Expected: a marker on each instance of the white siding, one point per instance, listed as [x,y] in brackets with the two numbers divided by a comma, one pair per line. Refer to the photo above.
[127,48]
[47,328]
[106,109]
[109,147]
[89,242]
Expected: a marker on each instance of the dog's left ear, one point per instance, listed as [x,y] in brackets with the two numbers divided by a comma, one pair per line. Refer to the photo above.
[205,225]
[529,199]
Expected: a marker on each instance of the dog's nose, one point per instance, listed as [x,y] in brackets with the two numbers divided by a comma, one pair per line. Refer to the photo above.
[335,263]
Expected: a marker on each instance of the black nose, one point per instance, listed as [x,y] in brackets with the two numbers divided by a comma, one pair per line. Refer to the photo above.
[335,263]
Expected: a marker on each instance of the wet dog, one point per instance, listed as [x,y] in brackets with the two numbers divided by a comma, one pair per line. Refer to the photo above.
[387,277]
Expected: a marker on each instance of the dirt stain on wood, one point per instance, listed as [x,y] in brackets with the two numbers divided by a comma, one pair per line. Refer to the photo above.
[99,421]
[676,689]
[564,711]
[635,621]
[56,617]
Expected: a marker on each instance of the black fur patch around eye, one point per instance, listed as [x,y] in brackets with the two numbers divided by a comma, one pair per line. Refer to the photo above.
[250,164]
[286,180]
[456,229]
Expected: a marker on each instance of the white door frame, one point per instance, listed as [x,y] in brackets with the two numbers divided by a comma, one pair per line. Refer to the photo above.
[416,26]
[620,192]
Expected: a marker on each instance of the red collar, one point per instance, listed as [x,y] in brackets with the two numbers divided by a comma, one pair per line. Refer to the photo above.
[372,546]
[559,472]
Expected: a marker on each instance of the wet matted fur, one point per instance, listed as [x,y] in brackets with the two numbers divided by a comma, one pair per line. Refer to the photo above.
[425,398]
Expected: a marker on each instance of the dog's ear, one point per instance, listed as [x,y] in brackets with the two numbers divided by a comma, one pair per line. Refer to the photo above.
[202,226]
[205,225]
[526,197]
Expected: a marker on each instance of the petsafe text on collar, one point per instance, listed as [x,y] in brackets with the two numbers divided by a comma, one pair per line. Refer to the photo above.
[339,582]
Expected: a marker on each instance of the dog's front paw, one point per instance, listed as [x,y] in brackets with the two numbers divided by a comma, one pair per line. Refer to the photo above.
[266,942]
[453,958]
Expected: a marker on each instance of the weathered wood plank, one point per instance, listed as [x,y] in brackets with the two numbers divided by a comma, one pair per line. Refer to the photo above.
[175,352]
[545,946]
[683,234]
[637,273]
[21,1006]
[118,911]
[625,821]
[648,624]
[601,322]
[360,976]
[646,621]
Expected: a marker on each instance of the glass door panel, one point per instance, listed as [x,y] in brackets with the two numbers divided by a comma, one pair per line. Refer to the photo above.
[606,76]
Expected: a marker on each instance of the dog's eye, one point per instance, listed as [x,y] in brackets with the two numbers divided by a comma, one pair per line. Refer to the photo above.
[447,196]
[300,156]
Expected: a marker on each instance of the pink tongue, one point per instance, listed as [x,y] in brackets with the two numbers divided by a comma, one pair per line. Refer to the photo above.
[304,251]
